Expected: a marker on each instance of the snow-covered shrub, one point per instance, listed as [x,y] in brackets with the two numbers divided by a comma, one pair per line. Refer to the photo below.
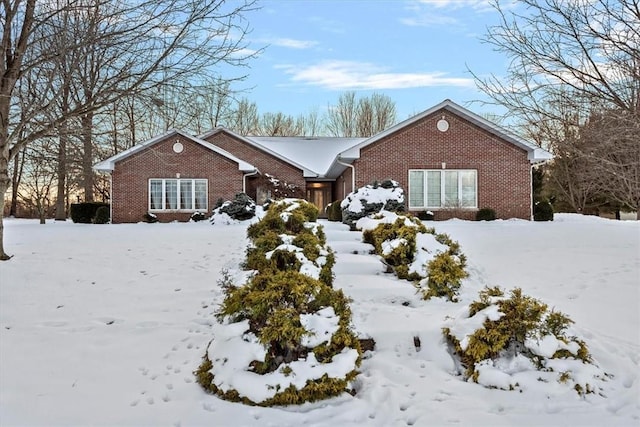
[278,188]
[543,211]
[371,199]
[516,341]
[241,208]
[150,217]
[285,336]
[288,238]
[198,216]
[417,253]
[486,214]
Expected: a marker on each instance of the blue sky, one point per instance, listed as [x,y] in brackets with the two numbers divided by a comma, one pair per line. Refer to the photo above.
[417,52]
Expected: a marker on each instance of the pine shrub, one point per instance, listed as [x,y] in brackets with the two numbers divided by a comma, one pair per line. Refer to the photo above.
[396,243]
[513,326]
[486,214]
[84,213]
[102,215]
[274,299]
[334,211]
[150,218]
[543,211]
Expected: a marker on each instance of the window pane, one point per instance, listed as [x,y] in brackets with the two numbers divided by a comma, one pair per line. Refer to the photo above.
[433,189]
[468,187]
[451,189]
[171,194]
[186,194]
[155,192]
[201,194]
[416,189]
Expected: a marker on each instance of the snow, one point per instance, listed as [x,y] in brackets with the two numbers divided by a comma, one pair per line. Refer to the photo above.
[232,350]
[320,325]
[104,325]
[371,195]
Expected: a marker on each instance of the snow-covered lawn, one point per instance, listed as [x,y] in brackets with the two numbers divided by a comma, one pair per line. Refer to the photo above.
[104,324]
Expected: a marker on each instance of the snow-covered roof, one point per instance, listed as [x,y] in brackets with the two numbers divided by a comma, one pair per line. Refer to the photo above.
[535,154]
[109,164]
[312,155]
[316,154]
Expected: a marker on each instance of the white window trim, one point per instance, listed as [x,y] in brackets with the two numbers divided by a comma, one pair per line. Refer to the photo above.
[193,194]
[443,204]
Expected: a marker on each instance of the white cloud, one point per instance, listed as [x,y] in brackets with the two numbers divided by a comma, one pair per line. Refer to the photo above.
[350,75]
[478,5]
[292,43]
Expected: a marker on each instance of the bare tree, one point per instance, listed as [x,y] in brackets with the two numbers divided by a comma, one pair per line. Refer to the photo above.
[375,114]
[362,117]
[36,191]
[148,43]
[341,118]
[245,120]
[280,124]
[575,56]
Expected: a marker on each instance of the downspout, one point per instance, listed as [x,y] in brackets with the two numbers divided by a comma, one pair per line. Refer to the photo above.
[244,179]
[353,174]
[111,197]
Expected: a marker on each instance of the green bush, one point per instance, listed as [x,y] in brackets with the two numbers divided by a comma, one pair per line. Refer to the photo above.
[198,216]
[486,214]
[150,218]
[102,215]
[543,211]
[84,213]
[521,322]
[274,299]
[445,270]
[334,211]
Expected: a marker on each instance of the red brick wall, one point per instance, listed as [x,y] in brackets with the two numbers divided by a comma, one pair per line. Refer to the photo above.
[503,171]
[265,162]
[130,178]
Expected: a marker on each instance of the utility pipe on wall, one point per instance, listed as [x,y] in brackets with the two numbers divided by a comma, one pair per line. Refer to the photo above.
[244,180]
[353,174]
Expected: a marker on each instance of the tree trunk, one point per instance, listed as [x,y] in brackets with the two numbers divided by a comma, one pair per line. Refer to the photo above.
[62,176]
[15,182]
[87,157]
[5,181]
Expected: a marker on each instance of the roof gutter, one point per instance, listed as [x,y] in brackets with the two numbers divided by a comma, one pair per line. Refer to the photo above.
[353,172]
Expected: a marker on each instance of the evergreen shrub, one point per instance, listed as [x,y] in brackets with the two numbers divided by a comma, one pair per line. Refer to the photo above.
[518,327]
[273,304]
[397,243]
[486,214]
[543,211]
[334,211]
[85,212]
[102,215]
[150,218]
[198,216]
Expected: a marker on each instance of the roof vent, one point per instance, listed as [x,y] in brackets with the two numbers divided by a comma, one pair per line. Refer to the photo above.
[442,125]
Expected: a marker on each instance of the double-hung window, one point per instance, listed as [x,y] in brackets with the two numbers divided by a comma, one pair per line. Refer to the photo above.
[443,188]
[177,194]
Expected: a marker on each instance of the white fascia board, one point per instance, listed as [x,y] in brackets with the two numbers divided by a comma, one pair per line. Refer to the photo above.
[109,164]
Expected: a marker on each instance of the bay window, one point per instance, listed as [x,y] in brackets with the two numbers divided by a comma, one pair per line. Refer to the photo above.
[178,194]
[442,188]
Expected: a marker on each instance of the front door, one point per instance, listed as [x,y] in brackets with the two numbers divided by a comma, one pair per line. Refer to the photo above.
[319,193]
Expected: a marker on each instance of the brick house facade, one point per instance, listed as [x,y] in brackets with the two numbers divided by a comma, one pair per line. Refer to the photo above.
[177,158]
[449,161]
